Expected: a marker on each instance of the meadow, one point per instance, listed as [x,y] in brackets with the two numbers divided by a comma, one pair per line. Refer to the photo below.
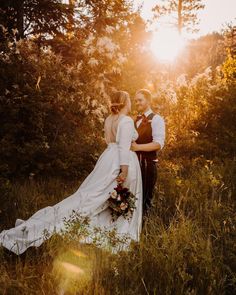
[187,244]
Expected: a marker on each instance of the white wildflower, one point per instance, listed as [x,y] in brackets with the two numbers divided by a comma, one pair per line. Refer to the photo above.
[93,103]
[10,44]
[46,49]
[109,29]
[205,76]
[110,55]
[181,81]
[90,39]
[3,28]
[121,58]
[172,96]
[99,84]
[46,145]
[90,50]
[79,65]
[105,43]
[15,31]
[93,62]
[116,70]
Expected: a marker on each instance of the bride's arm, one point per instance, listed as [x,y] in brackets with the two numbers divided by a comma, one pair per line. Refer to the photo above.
[124,143]
[105,130]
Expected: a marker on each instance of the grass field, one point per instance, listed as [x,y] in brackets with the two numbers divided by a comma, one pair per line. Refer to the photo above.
[187,244]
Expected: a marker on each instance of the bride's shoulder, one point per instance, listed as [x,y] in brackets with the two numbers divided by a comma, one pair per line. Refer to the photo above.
[127,118]
[107,119]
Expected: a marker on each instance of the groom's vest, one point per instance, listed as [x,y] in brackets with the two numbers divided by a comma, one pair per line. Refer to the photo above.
[145,136]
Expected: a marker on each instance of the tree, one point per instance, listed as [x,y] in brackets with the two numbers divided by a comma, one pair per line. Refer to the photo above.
[183,12]
[45,17]
[230,39]
[201,53]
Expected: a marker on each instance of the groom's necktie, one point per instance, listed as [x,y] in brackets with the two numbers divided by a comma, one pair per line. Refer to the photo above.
[139,117]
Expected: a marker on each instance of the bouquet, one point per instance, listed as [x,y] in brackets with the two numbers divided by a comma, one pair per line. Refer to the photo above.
[121,202]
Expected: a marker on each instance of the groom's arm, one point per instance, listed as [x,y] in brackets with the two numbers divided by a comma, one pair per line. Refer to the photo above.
[145,147]
[158,135]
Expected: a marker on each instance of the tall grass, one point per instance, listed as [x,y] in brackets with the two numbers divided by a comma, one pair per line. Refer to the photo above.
[187,244]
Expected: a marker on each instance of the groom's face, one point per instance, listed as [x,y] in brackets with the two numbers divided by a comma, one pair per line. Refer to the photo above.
[141,103]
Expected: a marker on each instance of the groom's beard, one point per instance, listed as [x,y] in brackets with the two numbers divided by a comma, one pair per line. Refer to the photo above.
[141,109]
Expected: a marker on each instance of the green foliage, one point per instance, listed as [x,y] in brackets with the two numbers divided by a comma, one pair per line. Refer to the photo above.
[52,92]
[44,113]
[200,113]
[26,17]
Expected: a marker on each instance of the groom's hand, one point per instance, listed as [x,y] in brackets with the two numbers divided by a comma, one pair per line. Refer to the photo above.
[134,146]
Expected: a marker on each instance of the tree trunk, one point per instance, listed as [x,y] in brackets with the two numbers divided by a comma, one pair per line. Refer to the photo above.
[71,25]
[180,19]
[19,7]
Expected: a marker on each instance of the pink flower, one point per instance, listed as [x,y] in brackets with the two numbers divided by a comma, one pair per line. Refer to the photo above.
[114,195]
[123,206]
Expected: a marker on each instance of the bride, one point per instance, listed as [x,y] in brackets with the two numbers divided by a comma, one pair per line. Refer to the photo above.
[116,163]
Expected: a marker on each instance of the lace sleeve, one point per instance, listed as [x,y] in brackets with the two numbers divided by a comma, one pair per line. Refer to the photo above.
[126,132]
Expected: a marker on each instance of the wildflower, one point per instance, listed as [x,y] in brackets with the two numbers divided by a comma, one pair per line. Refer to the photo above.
[109,29]
[93,62]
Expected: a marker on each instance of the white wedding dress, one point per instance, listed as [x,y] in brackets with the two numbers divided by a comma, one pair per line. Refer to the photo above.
[90,198]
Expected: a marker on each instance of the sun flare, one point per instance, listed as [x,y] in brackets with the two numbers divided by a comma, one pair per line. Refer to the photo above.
[166,44]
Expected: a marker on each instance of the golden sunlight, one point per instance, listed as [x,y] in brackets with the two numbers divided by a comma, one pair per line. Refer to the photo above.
[166,44]
[72,268]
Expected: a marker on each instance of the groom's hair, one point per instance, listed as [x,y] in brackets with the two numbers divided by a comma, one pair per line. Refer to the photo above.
[146,93]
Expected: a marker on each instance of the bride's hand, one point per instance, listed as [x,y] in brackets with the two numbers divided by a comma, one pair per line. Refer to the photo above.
[123,174]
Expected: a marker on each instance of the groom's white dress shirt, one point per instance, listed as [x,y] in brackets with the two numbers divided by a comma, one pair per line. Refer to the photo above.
[158,127]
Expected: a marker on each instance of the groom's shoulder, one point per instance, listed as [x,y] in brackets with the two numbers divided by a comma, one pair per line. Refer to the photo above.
[157,116]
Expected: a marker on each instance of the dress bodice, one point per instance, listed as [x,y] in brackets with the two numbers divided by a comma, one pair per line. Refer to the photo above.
[135,136]
[111,128]
[121,136]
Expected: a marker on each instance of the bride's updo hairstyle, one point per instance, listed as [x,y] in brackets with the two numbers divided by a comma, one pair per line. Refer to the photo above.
[118,100]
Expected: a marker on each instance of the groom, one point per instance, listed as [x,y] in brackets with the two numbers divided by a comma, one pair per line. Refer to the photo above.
[151,130]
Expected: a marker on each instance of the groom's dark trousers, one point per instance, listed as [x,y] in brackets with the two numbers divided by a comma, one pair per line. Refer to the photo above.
[147,163]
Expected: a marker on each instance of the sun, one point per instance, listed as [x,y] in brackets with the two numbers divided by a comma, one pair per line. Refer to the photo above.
[166,44]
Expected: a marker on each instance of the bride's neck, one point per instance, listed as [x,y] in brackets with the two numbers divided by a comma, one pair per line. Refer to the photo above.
[123,112]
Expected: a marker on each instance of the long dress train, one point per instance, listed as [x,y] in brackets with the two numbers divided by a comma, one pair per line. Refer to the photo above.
[89,199]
